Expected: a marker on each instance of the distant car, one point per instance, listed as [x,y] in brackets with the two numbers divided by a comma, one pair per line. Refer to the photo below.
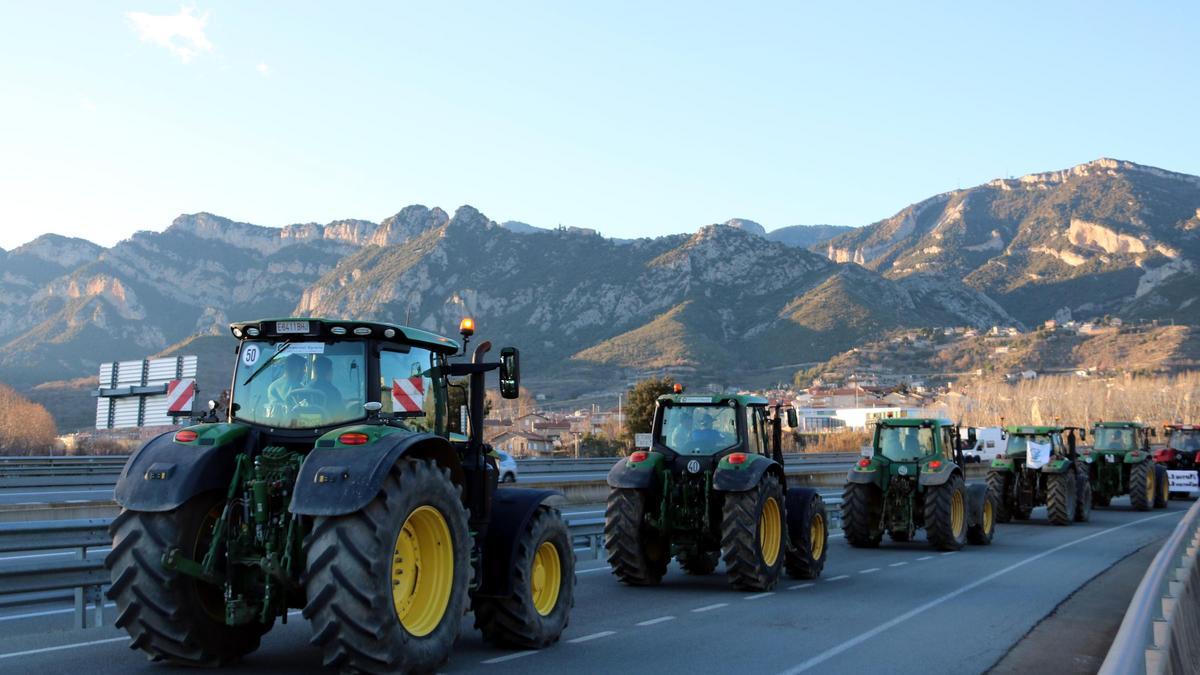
[507,466]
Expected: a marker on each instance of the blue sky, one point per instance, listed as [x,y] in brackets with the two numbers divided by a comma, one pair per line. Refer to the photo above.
[632,119]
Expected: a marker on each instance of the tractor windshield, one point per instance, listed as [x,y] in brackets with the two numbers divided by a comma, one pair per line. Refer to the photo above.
[1185,439]
[698,429]
[904,443]
[300,385]
[1020,442]
[1115,439]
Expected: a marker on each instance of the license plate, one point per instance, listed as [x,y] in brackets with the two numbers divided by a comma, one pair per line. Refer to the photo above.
[284,327]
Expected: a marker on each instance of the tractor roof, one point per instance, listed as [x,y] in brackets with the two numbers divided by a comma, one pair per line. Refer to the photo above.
[1183,427]
[915,422]
[1031,429]
[327,329]
[701,399]
[1120,425]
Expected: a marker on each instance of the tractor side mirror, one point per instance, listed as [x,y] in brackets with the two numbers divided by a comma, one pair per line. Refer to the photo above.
[792,419]
[972,438]
[1082,434]
[510,372]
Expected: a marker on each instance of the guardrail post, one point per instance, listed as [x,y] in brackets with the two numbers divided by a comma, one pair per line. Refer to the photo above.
[597,541]
[80,595]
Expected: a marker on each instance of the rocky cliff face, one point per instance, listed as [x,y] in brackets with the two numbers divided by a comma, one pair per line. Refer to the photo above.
[1107,236]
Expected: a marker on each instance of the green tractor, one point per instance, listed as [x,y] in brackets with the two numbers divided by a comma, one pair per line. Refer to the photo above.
[712,487]
[1041,467]
[1120,462]
[912,477]
[348,478]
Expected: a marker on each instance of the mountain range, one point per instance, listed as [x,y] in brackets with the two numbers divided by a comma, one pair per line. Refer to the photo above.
[731,300]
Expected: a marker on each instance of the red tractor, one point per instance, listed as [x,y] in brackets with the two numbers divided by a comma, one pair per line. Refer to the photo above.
[1180,458]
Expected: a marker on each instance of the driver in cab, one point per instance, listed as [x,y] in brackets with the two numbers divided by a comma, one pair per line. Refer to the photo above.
[291,380]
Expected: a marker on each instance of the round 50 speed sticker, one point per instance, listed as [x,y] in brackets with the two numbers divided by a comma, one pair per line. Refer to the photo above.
[250,354]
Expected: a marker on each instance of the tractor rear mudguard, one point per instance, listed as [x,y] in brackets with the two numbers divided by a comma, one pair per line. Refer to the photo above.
[930,478]
[639,475]
[859,475]
[1138,457]
[1057,466]
[340,480]
[163,474]
[1005,464]
[512,508]
[977,493]
[730,477]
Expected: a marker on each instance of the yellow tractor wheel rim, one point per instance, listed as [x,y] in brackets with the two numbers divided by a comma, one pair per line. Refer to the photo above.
[957,513]
[546,578]
[422,571]
[816,536]
[987,516]
[1150,485]
[770,531]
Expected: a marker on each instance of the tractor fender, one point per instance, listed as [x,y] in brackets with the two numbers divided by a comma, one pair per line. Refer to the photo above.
[1005,465]
[1057,466]
[337,480]
[730,477]
[863,475]
[977,493]
[931,478]
[163,474]
[1137,457]
[640,475]
[512,509]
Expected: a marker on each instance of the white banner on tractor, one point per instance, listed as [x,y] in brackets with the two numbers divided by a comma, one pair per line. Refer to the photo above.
[1038,456]
[1184,481]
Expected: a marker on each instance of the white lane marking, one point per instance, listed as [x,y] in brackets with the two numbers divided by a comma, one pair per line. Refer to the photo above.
[799,586]
[48,612]
[838,577]
[582,513]
[899,564]
[651,622]
[758,595]
[593,636]
[928,557]
[869,570]
[43,650]
[594,569]
[708,608]
[863,637]
[836,536]
[950,552]
[58,492]
[509,657]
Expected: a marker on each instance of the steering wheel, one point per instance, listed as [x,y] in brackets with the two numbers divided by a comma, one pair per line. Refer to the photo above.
[306,400]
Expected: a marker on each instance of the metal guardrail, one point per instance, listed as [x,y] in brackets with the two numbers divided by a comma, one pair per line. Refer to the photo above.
[83,575]
[1161,629]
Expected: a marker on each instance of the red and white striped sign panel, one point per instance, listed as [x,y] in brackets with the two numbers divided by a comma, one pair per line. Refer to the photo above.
[180,395]
[408,394]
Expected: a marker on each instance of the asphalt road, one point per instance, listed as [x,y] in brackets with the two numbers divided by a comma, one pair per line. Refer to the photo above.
[902,605]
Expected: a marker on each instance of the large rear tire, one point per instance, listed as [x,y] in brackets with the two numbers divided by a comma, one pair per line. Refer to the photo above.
[387,585]
[637,554]
[1141,486]
[535,614]
[1163,487]
[1083,494]
[1061,497]
[862,509]
[946,514]
[999,485]
[171,616]
[753,535]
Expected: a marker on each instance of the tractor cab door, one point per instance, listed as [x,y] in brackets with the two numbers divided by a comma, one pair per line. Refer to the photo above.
[756,430]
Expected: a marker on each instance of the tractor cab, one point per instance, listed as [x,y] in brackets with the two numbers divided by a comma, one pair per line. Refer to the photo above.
[911,445]
[708,429]
[1120,438]
[1179,457]
[1034,447]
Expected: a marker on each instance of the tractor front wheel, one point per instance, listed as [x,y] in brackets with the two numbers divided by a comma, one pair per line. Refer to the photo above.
[1061,497]
[1142,490]
[946,514]
[808,538]
[1083,494]
[535,614]
[171,616]
[983,510]
[753,539]
[999,484]
[387,585]
[637,554]
[1163,485]
[862,509]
